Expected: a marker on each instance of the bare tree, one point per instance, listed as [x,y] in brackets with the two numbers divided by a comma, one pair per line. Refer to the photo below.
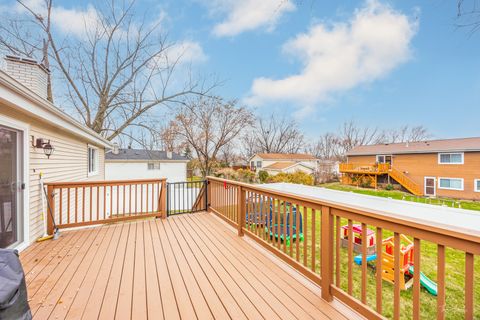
[468,14]
[117,73]
[326,147]
[209,124]
[275,135]
[351,135]
[404,134]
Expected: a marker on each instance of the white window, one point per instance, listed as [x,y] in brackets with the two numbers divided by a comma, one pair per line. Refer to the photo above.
[153,166]
[92,161]
[450,158]
[259,164]
[476,185]
[252,165]
[381,158]
[450,183]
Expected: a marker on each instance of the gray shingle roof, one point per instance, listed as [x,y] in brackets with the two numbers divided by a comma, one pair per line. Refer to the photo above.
[140,154]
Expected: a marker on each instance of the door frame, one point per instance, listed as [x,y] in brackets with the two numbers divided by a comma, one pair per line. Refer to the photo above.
[25,207]
[434,186]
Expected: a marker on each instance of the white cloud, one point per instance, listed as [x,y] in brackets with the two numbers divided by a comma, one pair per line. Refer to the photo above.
[341,56]
[187,52]
[247,15]
[77,22]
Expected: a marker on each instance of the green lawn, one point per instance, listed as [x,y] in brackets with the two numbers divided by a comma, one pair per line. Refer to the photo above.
[394,194]
[455,275]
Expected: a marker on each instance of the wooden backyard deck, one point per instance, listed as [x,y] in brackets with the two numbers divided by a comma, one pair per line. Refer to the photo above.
[188,266]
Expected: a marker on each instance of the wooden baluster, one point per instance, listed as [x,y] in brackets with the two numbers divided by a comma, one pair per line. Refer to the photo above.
[277,224]
[111,201]
[124,197]
[314,249]
[297,233]
[364,264]
[91,202]
[136,199]
[284,221]
[441,282]
[397,275]
[241,211]
[118,201]
[141,198]
[76,204]
[416,278]
[337,251]
[68,205]
[104,202]
[290,227]
[60,219]
[469,287]
[305,234]
[350,257]
[379,261]
[98,203]
[83,204]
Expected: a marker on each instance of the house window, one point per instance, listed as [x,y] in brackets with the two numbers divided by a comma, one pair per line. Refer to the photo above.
[384,159]
[476,185]
[450,158]
[259,164]
[450,183]
[153,166]
[92,161]
[252,165]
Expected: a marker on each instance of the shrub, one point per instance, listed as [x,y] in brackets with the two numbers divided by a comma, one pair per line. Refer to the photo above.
[298,177]
[263,176]
[366,182]
[227,173]
[389,187]
[246,175]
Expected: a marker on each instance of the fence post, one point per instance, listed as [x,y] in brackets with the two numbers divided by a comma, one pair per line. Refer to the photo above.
[51,206]
[241,210]
[327,253]
[162,200]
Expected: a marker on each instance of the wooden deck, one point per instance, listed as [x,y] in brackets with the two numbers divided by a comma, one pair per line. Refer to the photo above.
[185,267]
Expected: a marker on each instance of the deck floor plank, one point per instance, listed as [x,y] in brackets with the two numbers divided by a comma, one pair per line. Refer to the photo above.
[186,267]
[94,284]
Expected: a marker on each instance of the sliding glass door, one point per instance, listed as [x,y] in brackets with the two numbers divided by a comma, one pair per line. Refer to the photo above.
[11,187]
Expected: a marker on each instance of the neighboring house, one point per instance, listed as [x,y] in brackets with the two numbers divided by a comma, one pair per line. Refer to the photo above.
[445,168]
[274,163]
[145,164]
[30,127]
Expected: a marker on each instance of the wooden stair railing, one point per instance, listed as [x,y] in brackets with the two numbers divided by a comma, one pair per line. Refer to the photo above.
[405,181]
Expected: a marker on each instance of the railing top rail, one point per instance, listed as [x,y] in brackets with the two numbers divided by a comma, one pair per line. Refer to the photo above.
[400,220]
[102,182]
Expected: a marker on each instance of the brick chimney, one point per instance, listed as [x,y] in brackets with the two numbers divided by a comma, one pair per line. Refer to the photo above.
[28,72]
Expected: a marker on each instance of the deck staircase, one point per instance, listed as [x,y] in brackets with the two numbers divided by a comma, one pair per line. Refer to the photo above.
[405,181]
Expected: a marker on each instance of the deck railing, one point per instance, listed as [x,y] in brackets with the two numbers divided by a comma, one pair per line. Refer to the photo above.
[317,238]
[364,167]
[75,204]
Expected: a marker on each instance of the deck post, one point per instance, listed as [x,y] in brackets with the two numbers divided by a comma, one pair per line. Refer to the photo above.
[162,200]
[241,210]
[209,195]
[327,253]
[51,206]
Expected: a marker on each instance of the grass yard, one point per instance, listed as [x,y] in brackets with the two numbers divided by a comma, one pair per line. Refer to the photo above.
[454,275]
[399,195]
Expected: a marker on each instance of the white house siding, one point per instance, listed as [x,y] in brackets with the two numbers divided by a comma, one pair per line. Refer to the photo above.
[133,169]
[68,163]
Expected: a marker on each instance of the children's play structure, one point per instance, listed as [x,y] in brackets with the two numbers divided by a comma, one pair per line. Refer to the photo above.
[357,239]
[387,256]
[256,215]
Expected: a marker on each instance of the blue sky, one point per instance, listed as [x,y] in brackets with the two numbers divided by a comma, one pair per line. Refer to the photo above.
[438,85]
[380,63]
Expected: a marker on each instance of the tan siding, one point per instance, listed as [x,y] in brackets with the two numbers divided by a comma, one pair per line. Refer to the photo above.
[68,163]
